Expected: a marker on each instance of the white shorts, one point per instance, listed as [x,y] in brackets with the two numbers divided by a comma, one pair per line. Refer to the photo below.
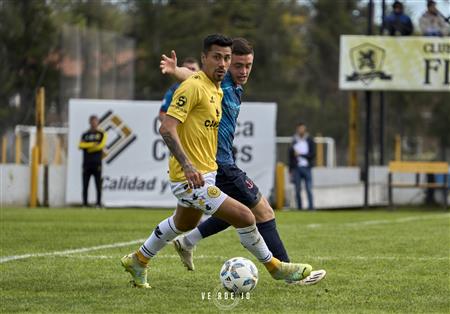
[208,198]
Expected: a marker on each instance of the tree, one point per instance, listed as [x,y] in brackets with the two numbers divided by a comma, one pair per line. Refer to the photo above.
[317,100]
[296,56]
[27,35]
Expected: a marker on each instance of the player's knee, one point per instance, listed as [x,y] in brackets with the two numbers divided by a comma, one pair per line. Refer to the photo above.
[246,217]
[183,223]
[184,226]
[263,211]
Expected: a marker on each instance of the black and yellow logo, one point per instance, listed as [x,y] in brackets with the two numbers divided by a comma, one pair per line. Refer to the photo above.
[213,191]
[367,62]
[120,135]
[211,124]
[181,101]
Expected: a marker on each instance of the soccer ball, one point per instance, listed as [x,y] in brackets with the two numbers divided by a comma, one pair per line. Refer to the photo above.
[239,275]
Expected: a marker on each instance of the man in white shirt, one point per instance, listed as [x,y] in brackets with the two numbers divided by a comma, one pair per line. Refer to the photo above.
[432,22]
[301,159]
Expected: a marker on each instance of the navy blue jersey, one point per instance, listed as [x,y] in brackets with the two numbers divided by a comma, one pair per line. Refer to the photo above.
[168,97]
[231,104]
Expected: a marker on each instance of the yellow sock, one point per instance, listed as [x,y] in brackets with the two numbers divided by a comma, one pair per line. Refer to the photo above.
[141,258]
[272,265]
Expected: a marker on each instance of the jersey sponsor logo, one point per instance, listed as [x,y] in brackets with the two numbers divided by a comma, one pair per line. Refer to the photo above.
[211,124]
[180,109]
[92,137]
[120,136]
[213,191]
[181,101]
[212,101]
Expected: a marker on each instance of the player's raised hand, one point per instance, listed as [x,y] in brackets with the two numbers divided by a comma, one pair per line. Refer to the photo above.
[168,65]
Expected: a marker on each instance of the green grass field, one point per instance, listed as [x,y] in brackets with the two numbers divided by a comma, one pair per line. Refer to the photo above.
[377,261]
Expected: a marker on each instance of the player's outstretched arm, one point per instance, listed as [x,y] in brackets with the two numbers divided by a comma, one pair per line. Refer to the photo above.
[169,66]
[168,131]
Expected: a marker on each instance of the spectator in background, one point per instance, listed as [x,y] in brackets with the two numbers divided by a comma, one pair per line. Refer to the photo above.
[301,159]
[432,22]
[192,64]
[92,143]
[398,23]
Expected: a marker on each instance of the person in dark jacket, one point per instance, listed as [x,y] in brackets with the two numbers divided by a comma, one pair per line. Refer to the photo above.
[301,159]
[92,143]
[398,23]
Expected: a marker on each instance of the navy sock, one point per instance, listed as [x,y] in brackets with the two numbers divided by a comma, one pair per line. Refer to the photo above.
[211,226]
[269,232]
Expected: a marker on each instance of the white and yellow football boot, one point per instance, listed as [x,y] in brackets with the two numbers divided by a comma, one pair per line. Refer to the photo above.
[314,277]
[186,253]
[291,272]
[136,269]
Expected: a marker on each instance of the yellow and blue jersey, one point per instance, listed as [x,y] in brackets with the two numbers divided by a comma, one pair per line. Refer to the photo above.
[231,105]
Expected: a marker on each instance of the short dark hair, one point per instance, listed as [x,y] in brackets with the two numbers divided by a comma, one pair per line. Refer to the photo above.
[92,117]
[430,3]
[241,47]
[190,60]
[216,39]
[301,123]
[397,4]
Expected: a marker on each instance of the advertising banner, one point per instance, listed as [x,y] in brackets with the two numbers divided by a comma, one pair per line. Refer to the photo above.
[394,63]
[135,161]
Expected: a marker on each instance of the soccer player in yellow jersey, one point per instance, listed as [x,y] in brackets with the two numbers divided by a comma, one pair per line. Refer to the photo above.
[190,130]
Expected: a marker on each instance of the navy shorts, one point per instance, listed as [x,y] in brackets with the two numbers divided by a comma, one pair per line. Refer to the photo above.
[235,183]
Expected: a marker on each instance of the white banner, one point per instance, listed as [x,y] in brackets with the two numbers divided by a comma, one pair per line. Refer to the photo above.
[136,158]
[394,63]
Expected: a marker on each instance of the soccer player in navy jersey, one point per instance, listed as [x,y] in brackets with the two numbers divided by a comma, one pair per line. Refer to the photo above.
[230,178]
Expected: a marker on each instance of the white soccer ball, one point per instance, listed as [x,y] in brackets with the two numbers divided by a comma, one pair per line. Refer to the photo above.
[239,275]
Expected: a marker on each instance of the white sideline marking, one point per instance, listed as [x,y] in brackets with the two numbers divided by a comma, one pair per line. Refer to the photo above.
[122,244]
[379,222]
[73,251]
[69,253]
[174,256]
[357,257]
